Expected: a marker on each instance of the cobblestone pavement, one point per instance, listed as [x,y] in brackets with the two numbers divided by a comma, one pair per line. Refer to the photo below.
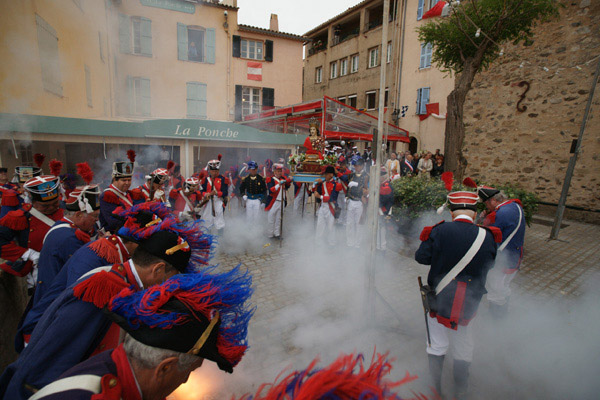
[312,301]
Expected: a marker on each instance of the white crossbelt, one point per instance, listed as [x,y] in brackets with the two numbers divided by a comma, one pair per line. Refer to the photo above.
[509,238]
[65,225]
[45,219]
[463,261]
[125,199]
[90,383]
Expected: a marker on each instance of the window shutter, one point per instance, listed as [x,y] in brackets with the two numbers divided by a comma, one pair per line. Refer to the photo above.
[201,89]
[238,102]
[429,51]
[423,55]
[192,99]
[425,98]
[130,95]
[268,50]
[145,84]
[210,45]
[146,37]
[420,9]
[124,34]
[268,97]
[237,46]
[182,42]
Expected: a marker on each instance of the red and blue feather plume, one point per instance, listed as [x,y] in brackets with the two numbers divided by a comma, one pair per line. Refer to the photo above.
[346,378]
[201,243]
[204,292]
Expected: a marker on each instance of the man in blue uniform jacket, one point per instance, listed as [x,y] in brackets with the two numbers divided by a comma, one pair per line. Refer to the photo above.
[508,216]
[167,338]
[74,327]
[460,254]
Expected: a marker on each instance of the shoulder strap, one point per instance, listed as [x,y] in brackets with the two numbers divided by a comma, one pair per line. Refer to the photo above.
[125,199]
[65,225]
[187,201]
[457,269]
[45,219]
[90,383]
[513,233]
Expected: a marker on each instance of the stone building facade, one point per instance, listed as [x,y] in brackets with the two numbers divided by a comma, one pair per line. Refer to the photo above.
[532,147]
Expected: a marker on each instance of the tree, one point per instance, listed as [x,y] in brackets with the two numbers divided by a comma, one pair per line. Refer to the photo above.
[468,41]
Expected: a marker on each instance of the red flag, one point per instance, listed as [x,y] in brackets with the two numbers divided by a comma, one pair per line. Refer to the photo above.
[254,71]
[436,10]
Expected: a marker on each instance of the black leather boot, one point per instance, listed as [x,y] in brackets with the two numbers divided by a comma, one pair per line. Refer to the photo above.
[435,370]
[461,379]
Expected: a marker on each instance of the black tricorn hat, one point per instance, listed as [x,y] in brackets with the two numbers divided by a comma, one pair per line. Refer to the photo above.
[486,193]
[168,246]
[197,336]
[330,169]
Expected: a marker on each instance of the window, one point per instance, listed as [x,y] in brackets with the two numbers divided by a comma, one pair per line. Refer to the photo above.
[50,63]
[333,70]
[250,100]
[139,95]
[101,46]
[252,49]
[88,85]
[386,97]
[196,100]
[342,100]
[389,52]
[318,74]
[135,35]
[352,101]
[426,49]
[371,100]
[195,43]
[420,7]
[343,67]
[422,100]
[373,57]
[354,63]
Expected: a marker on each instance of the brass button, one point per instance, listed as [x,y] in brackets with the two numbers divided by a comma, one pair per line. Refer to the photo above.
[120,268]
[112,382]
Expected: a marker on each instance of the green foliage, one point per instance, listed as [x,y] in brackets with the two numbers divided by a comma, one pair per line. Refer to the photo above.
[453,38]
[414,196]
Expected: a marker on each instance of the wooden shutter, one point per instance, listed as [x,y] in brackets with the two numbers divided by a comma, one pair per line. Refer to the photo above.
[268,50]
[238,102]
[210,45]
[146,36]
[268,97]
[196,100]
[88,85]
[202,100]
[423,55]
[145,96]
[124,34]
[237,46]
[420,9]
[182,42]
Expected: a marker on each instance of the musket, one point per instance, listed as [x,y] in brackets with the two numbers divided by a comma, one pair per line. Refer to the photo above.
[212,198]
[304,190]
[283,193]
[426,309]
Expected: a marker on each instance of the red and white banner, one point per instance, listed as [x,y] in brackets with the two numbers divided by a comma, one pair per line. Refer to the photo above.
[433,109]
[254,71]
[441,8]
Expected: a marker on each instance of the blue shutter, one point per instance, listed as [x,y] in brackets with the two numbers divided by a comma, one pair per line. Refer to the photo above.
[124,34]
[423,55]
[428,51]
[130,95]
[210,46]
[425,99]
[182,42]
[420,9]
[202,100]
[146,37]
[422,100]
[145,96]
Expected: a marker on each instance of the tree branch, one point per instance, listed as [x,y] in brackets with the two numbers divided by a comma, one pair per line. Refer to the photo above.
[460,27]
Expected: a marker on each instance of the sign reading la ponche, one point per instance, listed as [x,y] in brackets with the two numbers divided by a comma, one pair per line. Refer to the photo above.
[206,132]
[174,5]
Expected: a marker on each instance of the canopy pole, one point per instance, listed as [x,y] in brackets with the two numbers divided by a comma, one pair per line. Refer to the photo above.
[375,178]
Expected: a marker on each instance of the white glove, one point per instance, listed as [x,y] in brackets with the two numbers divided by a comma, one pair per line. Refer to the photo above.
[277,187]
[245,197]
[158,194]
[353,184]
[31,255]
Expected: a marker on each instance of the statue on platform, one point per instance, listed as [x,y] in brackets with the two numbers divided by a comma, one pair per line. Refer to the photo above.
[314,143]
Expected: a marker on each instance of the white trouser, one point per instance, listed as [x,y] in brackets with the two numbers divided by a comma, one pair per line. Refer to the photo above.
[325,219]
[274,219]
[217,220]
[353,234]
[342,203]
[498,285]
[252,211]
[298,200]
[440,336]
[381,234]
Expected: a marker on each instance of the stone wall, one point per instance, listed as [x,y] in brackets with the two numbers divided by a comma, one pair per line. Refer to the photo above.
[532,147]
